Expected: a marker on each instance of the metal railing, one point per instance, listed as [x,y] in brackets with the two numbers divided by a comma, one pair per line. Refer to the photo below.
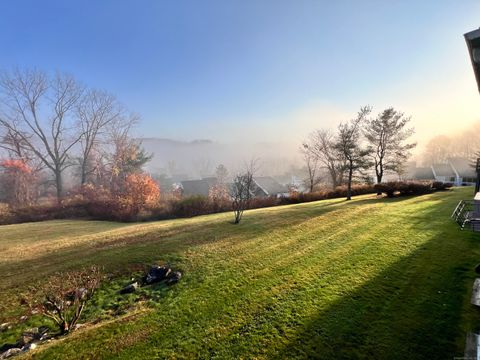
[466,215]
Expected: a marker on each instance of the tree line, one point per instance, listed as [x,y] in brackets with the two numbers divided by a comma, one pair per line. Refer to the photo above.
[51,123]
[441,147]
[52,126]
[378,144]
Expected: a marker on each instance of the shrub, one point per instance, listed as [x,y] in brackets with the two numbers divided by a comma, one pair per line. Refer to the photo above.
[441,186]
[338,192]
[404,188]
[113,209]
[91,192]
[64,297]
[269,201]
[161,211]
[219,197]
[415,188]
[191,206]
[44,212]
[19,182]
[388,188]
[140,192]
[6,214]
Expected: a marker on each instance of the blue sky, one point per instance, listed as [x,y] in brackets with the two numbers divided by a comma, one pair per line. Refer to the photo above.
[212,69]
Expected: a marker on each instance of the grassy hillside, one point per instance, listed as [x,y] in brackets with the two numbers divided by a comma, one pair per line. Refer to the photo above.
[371,278]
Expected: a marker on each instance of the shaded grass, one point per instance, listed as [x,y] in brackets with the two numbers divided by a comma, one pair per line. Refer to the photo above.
[371,278]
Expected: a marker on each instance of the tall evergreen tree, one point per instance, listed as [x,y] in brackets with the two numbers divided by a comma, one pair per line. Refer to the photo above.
[386,136]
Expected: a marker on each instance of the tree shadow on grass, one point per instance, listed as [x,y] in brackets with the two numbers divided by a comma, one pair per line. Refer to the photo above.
[167,245]
[183,237]
[159,243]
[411,310]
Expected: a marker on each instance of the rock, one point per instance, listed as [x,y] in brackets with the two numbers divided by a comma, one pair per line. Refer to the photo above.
[43,330]
[475,299]
[6,347]
[26,339]
[77,326]
[4,326]
[33,334]
[157,274]
[81,293]
[30,346]
[130,288]
[174,277]
[10,353]
[23,318]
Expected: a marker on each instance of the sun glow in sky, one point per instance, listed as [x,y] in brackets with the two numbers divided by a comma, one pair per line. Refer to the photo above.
[256,70]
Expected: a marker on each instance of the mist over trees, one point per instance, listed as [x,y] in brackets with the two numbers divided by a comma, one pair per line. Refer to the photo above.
[52,128]
[321,146]
[311,165]
[39,112]
[196,159]
[359,147]
[439,148]
[51,123]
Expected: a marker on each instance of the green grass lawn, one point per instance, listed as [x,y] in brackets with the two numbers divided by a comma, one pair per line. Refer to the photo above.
[366,279]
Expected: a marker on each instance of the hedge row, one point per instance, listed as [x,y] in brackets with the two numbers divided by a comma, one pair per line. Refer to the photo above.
[109,209]
[403,188]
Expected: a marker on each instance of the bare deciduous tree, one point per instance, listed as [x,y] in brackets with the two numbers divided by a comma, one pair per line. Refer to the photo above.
[349,147]
[13,146]
[64,297]
[386,135]
[437,150]
[95,112]
[321,143]
[311,165]
[241,191]
[39,111]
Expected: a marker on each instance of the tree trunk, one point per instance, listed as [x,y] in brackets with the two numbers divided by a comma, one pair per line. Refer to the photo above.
[379,180]
[83,178]
[349,186]
[379,173]
[333,175]
[64,327]
[238,216]
[59,184]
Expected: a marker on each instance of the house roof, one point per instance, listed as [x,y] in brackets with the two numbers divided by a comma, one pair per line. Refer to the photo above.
[443,170]
[423,173]
[270,186]
[212,180]
[197,187]
[463,167]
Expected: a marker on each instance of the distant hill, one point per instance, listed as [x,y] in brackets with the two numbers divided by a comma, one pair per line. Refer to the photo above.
[200,157]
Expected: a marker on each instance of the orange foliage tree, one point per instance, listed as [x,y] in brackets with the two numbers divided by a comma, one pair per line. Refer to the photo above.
[140,191]
[19,182]
[218,195]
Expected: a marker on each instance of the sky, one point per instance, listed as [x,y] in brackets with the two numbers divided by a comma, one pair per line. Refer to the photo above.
[256,71]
